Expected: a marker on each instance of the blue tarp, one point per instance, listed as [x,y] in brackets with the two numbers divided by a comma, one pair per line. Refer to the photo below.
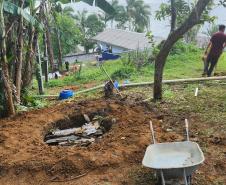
[108,56]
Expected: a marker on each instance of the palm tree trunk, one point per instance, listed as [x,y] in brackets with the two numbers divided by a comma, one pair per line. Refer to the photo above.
[27,73]
[19,62]
[60,63]
[4,64]
[49,47]
[46,66]
[39,71]
[49,41]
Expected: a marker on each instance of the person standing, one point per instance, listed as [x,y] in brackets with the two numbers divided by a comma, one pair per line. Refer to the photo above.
[216,47]
[67,66]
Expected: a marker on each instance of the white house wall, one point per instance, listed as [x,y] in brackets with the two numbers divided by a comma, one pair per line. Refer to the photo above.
[115,49]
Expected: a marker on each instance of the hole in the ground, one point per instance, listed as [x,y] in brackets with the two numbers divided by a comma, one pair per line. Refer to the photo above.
[79,130]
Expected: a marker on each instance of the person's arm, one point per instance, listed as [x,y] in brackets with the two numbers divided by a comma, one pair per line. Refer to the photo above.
[209,45]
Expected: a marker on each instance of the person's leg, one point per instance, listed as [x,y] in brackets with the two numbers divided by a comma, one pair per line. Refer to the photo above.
[212,65]
[215,70]
[205,67]
[206,62]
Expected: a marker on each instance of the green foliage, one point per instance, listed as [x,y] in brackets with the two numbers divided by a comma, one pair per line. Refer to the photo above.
[15,10]
[68,80]
[213,28]
[123,73]
[183,9]
[135,15]
[182,47]
[183,62]
[138,15]
[138,59]
[168,93]
[69,34]
[30,101]
[93,25]
[89,26]
[102,4]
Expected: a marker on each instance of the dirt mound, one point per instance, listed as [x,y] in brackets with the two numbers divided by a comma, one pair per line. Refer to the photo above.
[23,151]
[113,159]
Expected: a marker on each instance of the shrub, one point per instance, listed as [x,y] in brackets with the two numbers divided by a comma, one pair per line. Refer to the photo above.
[182,47]
[122,73]
[30,101]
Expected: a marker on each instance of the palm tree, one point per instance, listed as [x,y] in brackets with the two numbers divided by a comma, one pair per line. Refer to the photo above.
[138,14]
[9,29]
[15,41]
[4,65]
[89,26]
[142,16]
[81,18]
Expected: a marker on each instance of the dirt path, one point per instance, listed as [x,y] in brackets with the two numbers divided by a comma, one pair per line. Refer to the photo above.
[113,160]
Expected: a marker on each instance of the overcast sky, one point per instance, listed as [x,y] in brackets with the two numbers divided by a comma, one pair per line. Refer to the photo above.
[157,27]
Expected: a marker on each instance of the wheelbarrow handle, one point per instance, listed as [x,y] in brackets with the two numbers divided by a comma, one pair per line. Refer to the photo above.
[186,126]
[152,132]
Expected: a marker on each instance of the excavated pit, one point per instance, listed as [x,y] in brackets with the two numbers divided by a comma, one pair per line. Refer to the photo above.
[79,129]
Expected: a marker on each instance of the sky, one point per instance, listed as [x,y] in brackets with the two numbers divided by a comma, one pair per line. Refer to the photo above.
[158,28]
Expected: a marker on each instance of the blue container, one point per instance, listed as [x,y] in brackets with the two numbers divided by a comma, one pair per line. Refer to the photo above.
[65,94]
[116,84]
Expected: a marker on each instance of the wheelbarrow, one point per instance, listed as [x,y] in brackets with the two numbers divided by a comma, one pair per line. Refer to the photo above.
[173,160]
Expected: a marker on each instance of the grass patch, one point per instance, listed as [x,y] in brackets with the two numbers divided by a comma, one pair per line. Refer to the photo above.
[183,62]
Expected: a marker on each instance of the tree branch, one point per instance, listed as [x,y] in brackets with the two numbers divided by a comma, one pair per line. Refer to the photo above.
[173,16]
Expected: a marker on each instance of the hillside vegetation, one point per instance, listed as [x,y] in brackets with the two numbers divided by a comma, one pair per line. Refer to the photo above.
[184,62]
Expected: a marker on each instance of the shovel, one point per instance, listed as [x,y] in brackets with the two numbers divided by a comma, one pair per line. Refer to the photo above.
[122,98]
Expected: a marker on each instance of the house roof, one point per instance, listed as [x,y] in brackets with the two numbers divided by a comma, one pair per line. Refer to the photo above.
[124,39]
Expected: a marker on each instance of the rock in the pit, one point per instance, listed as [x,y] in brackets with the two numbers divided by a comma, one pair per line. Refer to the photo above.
[62,139]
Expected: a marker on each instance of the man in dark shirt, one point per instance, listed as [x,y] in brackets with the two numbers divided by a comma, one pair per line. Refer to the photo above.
[216,45]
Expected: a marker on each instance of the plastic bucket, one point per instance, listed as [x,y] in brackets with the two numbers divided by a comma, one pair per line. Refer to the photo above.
[65,94]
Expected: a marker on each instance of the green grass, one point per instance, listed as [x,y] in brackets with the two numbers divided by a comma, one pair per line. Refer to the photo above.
[184,63]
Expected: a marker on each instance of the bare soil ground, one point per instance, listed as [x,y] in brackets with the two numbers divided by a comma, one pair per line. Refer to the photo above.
[113,160]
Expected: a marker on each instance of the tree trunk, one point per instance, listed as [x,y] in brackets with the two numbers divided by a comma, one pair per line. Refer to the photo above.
[46,66]
[60,63]
[4,64]
[160,63]
[193,19]
[173,15]
[28,67]
[19,61]
[49,48]
[39,71]
[49,41]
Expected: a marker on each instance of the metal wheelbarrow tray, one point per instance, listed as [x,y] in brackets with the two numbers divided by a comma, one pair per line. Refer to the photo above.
[173,160]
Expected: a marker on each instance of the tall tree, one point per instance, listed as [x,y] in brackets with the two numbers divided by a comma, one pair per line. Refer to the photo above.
[46,22]
[69,35]
[19,60]
[193,19]
[4,64]
[138,14]
[89,26]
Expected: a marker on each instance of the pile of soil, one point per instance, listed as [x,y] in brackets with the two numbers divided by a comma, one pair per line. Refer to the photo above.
[26,159]
[114,159]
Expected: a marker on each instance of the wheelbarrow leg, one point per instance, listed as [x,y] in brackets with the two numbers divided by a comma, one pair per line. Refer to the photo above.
[189,178]
[163,179]
[185,178]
